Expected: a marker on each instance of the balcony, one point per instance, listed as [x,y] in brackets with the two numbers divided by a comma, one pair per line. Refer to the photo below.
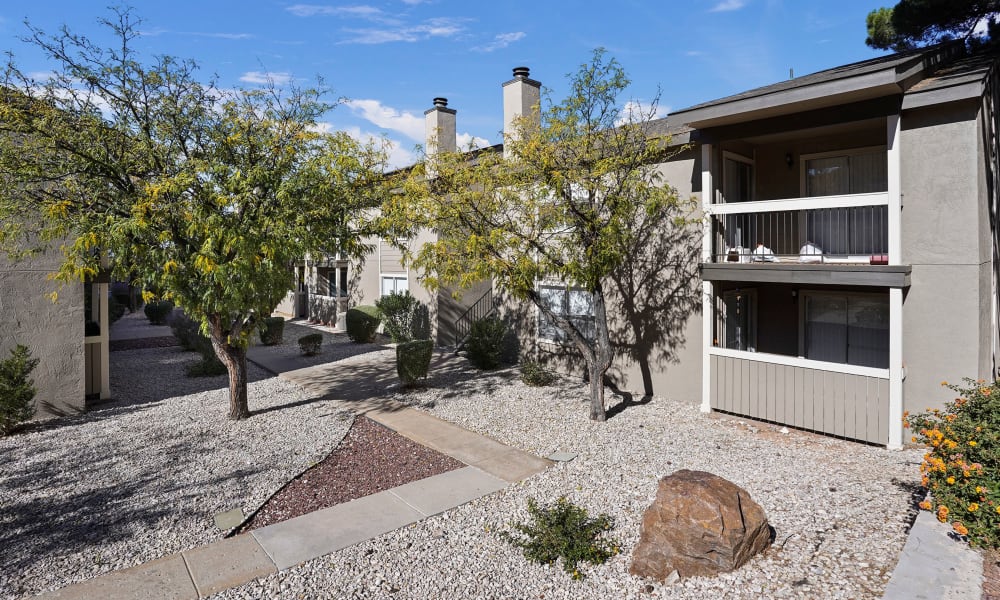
[828,239]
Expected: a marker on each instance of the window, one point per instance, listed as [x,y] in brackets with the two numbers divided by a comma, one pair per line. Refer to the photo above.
[846,328]
[739,320]
[326,281]
[575,304]
[394,284]
[847,231]
[737,178]
[342,280]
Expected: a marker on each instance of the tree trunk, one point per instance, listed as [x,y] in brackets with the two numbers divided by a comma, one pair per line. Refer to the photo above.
[596,392]
[235,359]
[602,356]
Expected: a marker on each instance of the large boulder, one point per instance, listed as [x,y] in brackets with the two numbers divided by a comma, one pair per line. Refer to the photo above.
[699,524]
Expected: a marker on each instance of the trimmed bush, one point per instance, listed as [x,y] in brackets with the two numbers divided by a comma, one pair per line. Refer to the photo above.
[420,322]
[185,329]
[208,366]
[413,360]
[362,323]
[310,344]
[962,465]
[122,298]
[534,374]
[91,328]
[272,331]
[157,311]
[564,531]
[397,312]
[486,342]
[17,390]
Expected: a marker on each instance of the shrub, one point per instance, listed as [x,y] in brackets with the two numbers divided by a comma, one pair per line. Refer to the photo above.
[185,329]
[91,328]
[310,344]
[533,373]
[17,391]
[413,360]
[208,366]
[272,331]
[962,467]
[122,299]
[397,313]
[564,530]
[420,322]
[157,311]
[486,342]
[362,323]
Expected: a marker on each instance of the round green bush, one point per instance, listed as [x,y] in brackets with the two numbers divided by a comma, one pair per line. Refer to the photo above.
[397,310]
[157,311]
[534,374]
[362,323]
[272,331]
[413,360]
[486,343]
[310,344]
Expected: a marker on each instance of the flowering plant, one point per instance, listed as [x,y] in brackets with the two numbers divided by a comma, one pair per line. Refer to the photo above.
[962,466]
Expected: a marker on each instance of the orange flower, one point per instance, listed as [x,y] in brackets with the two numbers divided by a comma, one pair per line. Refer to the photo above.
[960,529]
[950,481]
[972,443]
[944,383]
[926,505]
[973,507]
[942,513]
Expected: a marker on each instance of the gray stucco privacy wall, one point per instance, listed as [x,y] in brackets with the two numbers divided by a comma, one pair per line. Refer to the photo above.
[53,331]
[941,238]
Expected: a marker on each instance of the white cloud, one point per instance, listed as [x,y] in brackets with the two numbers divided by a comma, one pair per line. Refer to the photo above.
[501,41]
[212,34]
[728,5]
[639,111]
[694,53]
[438,27]
[266,78]
[386,117]
[466,141]
[312,10]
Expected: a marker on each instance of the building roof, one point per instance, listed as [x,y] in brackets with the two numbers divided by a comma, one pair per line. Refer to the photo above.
[889,75]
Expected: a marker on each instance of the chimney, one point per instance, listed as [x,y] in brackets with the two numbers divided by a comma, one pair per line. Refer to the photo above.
[521,98]
[439,128]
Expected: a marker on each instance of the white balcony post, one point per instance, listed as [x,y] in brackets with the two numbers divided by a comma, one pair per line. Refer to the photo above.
[894,191]
[707,313]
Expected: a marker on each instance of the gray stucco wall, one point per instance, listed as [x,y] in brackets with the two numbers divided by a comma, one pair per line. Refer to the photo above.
[53,331]
[947,305]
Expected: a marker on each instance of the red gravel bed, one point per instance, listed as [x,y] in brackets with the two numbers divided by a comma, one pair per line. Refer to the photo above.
[142,343]
[370,459]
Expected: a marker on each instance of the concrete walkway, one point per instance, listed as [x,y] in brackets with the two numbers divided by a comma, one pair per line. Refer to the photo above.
[203,571]
[934,566]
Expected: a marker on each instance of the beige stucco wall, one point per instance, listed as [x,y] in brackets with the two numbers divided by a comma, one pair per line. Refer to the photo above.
[53,331]
[946,308]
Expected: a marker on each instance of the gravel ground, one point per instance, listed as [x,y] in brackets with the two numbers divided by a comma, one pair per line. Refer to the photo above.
[143,476]
[840,509]
[336,346]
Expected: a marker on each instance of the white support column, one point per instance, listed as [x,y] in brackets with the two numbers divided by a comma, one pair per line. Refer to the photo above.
[895,193]
[707,311]
[895,368]
[895,424]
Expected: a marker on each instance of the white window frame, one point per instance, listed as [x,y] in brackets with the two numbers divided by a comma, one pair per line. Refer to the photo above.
[804,158]
[803,294]
[721,321]
[726,157]
[396,277]
[540,316]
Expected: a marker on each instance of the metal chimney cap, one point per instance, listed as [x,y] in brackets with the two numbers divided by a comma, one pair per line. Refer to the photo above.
[521,72]
[441,102]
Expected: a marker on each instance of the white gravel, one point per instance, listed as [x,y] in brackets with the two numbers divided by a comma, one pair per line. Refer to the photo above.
[840,509]
[143,476]
[336,346]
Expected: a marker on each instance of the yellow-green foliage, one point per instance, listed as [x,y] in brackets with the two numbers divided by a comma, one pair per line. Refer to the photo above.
[962,465]
[207,196]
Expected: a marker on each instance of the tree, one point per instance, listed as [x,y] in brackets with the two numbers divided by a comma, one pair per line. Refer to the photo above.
[913,23]
[560,204]
[204,196]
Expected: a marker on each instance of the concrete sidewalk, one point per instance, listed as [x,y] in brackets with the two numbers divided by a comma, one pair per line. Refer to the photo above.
[203,571]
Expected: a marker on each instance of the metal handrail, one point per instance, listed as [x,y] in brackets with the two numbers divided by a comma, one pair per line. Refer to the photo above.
[480,309]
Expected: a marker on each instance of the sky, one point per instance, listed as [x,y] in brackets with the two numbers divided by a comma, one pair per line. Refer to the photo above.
[390,58]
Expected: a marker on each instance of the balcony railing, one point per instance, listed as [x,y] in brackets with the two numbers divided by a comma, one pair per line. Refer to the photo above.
[842,229]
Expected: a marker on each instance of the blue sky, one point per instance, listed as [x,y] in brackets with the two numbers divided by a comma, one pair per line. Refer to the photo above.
[391,57]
